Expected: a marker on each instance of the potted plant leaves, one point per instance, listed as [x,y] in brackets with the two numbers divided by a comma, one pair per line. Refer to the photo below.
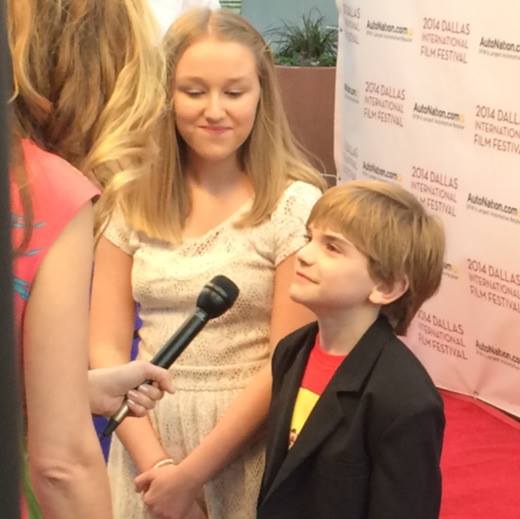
[305,54]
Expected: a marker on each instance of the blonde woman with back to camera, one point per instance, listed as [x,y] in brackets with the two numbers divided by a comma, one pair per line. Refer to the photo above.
[87,89]
[230,195]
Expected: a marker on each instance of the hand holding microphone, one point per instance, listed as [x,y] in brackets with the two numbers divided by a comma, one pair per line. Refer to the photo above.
[216,297]
[109,386]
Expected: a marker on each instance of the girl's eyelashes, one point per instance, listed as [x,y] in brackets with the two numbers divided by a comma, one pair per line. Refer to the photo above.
[197,92]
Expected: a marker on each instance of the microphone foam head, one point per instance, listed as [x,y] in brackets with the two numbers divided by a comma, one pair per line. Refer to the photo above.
[217,296]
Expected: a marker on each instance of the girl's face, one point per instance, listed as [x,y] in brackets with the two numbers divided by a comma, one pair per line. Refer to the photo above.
[216,94]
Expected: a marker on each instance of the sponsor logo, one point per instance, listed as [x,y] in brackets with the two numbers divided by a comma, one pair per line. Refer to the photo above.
[378,173]
[488,206]
[430,113]
[451,270]
[385,30]
[493,352]
[433,111]
[350,93]
[499,48]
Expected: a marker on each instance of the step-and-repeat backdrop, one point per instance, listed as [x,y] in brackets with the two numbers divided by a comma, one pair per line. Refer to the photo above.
[428,95]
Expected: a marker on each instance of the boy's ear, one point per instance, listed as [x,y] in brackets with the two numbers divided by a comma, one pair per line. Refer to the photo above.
[385,293]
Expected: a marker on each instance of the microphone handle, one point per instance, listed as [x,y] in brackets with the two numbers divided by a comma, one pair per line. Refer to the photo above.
[180,339]
[164,358]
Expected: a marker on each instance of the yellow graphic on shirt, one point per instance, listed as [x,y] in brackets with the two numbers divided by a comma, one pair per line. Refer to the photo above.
[305,402]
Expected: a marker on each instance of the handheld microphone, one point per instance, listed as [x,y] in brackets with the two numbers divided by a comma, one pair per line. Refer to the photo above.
[216,297]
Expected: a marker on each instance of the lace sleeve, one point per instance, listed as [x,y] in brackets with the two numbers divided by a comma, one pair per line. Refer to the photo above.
[118,232]
[290,217]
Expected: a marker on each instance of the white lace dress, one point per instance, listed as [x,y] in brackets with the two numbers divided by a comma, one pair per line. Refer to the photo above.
[223,358]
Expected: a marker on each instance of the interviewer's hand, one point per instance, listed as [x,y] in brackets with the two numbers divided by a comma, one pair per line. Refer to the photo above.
[108,387]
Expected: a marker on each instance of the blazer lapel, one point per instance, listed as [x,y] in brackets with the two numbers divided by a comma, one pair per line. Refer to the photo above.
[323,420]
[328,412]
[281,411]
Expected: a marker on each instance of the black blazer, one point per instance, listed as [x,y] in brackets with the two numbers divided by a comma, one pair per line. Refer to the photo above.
[370,448]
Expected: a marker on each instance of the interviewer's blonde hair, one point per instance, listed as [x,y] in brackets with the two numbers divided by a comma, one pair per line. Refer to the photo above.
[159,203]
[88,82]
[87,78]
[396,234]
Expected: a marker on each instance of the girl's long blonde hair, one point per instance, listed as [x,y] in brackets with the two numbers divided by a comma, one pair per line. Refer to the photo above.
[158,203]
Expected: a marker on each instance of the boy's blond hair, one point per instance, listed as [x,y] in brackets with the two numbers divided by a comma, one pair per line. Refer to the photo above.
[400,239]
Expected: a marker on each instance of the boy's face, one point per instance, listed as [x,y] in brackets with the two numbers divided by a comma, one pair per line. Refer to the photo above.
[331,273]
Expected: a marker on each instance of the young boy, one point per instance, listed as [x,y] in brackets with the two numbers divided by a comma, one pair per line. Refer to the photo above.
[355,424]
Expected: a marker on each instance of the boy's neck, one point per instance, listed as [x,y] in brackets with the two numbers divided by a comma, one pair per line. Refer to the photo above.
[340,331]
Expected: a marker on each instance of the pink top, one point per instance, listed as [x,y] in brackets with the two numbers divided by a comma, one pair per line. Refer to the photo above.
[57,191]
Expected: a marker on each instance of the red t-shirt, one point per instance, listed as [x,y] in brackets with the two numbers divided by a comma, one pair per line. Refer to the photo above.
[320,369]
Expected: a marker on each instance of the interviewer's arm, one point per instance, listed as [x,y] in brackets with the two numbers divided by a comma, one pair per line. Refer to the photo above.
[66,463]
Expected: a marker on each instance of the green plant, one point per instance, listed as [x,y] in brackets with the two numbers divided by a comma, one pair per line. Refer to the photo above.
[311,43]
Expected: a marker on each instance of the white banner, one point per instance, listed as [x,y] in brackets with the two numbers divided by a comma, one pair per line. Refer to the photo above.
[428,95]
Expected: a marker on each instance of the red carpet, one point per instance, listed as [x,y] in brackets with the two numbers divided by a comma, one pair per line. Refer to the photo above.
[480,461]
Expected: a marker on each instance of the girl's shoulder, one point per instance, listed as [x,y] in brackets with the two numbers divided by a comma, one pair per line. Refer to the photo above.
[297,197]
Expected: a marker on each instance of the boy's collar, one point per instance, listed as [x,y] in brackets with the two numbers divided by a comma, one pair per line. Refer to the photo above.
[352,373]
